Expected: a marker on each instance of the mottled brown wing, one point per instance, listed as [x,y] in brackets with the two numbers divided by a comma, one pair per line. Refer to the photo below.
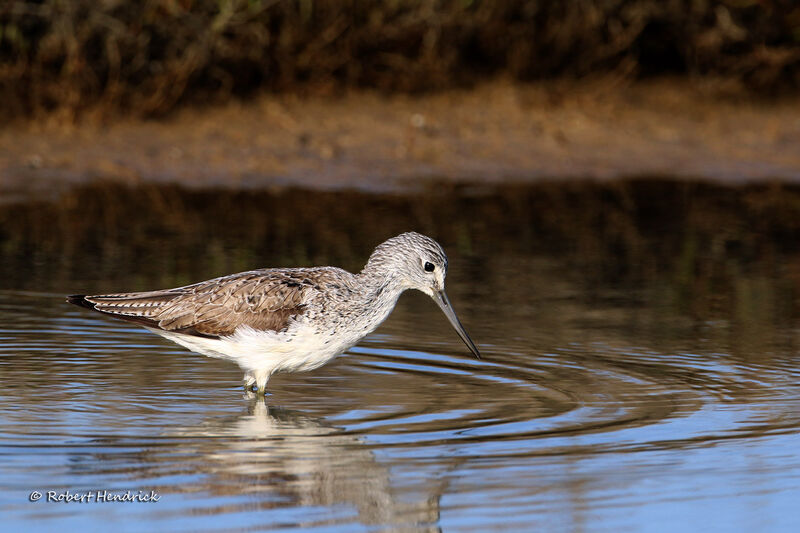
[263,300]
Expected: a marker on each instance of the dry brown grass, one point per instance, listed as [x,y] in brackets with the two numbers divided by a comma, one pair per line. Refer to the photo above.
[145,58]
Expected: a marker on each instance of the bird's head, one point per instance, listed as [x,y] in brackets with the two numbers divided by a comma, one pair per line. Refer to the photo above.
[418,262]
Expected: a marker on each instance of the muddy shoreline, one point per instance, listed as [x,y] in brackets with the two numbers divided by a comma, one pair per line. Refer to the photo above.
[498,133]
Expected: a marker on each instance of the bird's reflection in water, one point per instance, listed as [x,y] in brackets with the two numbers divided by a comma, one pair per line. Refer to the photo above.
[282,458]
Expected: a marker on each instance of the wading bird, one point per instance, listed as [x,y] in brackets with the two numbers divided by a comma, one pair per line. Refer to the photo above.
[287,319]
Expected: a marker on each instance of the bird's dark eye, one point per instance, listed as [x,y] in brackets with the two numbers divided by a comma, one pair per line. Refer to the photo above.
[429,267]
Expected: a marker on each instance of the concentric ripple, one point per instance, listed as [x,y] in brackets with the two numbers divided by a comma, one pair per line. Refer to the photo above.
[587,399]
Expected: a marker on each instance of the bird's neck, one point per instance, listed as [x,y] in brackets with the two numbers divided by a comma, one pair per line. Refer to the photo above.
[380,288]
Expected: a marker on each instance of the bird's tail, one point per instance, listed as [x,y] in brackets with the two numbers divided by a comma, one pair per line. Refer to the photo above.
[80,300]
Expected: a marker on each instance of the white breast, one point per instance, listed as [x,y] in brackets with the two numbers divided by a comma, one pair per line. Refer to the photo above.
[299,348]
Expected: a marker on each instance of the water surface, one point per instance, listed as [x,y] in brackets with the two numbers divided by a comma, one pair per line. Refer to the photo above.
[640,368]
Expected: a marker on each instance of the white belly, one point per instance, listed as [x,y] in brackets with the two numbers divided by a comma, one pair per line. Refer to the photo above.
[300,348]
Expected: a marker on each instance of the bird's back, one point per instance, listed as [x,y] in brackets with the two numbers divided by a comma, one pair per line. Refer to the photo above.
[264,300]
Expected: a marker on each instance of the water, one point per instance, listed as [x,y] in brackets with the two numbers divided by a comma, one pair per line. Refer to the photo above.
[640,372]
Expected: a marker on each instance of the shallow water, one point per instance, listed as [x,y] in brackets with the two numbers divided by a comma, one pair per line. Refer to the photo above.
[611,396]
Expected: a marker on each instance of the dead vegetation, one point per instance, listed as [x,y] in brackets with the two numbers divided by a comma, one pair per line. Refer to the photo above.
[145,58]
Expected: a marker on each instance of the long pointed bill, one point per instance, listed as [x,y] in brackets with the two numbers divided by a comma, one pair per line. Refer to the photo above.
[441,298]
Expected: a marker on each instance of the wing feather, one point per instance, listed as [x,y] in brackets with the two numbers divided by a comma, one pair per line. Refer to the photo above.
[263,299]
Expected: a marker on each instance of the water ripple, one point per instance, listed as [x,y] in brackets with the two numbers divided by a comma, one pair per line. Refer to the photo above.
[88,402]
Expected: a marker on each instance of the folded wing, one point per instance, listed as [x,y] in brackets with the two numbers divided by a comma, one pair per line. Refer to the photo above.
[266,300]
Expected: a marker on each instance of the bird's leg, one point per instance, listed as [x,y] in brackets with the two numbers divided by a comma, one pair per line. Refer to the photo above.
[256,383]
[261,379]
